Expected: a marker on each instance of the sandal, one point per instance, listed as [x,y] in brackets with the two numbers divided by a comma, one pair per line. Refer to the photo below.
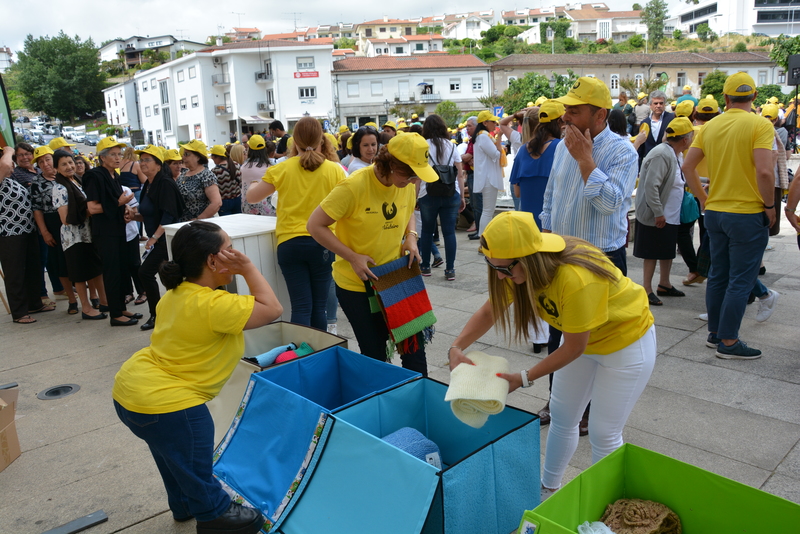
[73,308]
[669,292]
[141,299]
[95,303]
[654,300]
[128,299]
[25,319]
[43,309]
[694,278]
[47,302]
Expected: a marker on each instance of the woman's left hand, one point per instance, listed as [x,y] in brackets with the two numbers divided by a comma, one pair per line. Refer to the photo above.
[514,380]
[409,247]
[463,205]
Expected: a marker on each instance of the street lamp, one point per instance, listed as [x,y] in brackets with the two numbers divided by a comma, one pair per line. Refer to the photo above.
[552,83]
[386,107]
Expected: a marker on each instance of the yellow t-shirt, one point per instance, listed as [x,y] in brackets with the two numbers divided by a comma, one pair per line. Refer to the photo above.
[193,351]
[702,167]
[371,219]
[728,141]
[299,193]
[616,314]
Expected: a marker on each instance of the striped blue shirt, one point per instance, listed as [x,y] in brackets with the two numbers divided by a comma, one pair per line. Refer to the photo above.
[598,210]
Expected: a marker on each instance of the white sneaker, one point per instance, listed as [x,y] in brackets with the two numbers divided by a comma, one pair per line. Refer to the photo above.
[545,493]
[332,328]
[766,305]
[703,317]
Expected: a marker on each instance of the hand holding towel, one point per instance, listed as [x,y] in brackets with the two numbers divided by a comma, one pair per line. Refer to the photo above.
[475,391]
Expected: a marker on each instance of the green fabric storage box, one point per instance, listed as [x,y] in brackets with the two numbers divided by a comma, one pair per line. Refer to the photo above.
[706,503]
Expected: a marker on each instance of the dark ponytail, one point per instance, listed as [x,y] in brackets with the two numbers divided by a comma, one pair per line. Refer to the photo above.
[191,246]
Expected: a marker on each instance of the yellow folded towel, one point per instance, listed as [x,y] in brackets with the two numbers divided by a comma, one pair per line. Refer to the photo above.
[475,391]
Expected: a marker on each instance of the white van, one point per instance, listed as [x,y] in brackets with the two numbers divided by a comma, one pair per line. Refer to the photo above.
[67,132]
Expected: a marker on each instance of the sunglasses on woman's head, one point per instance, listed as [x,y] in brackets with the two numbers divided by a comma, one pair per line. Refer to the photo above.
[504,270]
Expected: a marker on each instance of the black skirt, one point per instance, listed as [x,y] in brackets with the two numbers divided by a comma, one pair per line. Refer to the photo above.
[83,262]
[56,262]
[651,243]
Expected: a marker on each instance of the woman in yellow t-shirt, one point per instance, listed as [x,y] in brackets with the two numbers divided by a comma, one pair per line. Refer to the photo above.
[373,211]
[609,346]
[302,182]
[161,391]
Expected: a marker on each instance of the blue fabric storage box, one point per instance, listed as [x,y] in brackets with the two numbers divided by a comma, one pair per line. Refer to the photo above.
[277,437]
[363,484]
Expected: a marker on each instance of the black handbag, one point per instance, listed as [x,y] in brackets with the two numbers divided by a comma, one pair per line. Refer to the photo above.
[445,186]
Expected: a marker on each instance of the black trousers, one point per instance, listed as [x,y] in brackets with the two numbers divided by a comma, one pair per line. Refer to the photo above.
[149,270]
[132,262]
[113,251]
[19,257]
[371,331]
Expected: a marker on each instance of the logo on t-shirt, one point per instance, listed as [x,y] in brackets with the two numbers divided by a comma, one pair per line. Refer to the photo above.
[548,306]
[389,211]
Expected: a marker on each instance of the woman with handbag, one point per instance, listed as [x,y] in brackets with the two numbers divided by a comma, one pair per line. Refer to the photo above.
[442,199]
[659,199]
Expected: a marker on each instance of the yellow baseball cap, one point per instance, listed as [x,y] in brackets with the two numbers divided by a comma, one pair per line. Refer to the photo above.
[708,105]
[350,142]
[550,111]
[219,150]
[529,105]
[41,151]
[343,128]
[541,100]
[256,142]
[412,149]
[330,137]
[673,104]
[588,91]
[739,84]
[372,124]
[109,142]
[172,154]
[780,105]
[684,109]
[771,100]
[195,145]
[641,96]
[679,126]
[769,111]
[687,87]
[414,116]
[391,125]
[155,151]
[58,142]
[514,234]
[487,115]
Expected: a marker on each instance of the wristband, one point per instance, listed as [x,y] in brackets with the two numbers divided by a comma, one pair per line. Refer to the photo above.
[525,382]
[412,232]
[790,210]
[769,207]
[451,348]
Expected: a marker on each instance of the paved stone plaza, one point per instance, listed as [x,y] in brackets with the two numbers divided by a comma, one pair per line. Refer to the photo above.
[740,419]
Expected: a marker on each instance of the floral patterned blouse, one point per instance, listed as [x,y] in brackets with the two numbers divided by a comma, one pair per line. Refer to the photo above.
[42,194]
[193,190]
[71,233]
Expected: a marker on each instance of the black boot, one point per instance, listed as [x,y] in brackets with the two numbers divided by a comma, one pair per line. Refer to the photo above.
[150,324]
[237,519]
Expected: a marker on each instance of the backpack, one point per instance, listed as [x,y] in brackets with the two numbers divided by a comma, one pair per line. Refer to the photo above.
[445,186]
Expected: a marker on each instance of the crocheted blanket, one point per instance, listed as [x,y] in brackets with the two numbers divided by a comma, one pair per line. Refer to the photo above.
[636,516]
[400,295]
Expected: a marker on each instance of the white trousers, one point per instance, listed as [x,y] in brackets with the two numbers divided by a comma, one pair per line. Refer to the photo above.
[489,193]
[613,382]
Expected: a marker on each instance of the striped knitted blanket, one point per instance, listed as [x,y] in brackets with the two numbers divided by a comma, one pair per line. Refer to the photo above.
[400,295]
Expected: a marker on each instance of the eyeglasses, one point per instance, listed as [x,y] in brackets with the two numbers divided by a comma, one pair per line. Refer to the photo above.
[503,270]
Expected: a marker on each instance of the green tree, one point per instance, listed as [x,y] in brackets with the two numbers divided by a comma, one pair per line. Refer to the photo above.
[344,42]
[212,40]
[677,34]
[637,7]
[782,47]
[492,34]
[532,86]
[571,45]
[704,33]
[653,16]
[713,85]
[424,30]
[740,47]
[636,41]
[449,112]
[766,92]
[406,110]
[512,31]
[60,76]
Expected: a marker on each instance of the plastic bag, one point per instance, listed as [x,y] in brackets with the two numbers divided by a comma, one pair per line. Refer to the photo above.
[594,528]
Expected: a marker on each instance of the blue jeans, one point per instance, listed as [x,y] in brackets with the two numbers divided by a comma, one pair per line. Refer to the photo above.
[475,199]
[737,242]
[306,267]
[231,206]
[182,444]
[446,209]
[332,305]
[54,281]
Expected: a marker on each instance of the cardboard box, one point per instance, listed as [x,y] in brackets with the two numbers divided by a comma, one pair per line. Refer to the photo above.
[705,502]
[9,441]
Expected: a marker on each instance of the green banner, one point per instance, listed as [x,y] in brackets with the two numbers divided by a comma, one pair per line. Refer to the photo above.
[6,120]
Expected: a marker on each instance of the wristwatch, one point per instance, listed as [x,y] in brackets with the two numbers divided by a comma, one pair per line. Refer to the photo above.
[525,382]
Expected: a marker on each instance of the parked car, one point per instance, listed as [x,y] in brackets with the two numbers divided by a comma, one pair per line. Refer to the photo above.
[78,136]
[67,132]
[91,140]
[36,135]
[22,119]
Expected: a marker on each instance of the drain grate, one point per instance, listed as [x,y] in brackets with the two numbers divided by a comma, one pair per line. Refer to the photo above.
[57,392]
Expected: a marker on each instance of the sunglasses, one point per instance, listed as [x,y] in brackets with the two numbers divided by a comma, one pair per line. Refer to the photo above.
[504,270]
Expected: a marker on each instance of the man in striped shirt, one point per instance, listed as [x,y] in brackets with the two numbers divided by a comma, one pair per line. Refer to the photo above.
[594,171]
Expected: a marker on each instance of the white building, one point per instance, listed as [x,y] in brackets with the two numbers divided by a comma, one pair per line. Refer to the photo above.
[122,107]
[404,46]
[135,46]
[746,17]
[5,59]
[366,88]
[588,22]
[466,28]
[237,87]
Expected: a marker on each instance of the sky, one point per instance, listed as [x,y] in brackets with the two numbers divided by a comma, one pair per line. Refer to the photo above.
[198,19]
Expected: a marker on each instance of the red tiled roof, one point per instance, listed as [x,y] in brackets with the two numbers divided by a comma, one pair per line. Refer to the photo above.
[421,61]
[283,36]
[343,51]
[246,30]
[388,41]
[390,21]
[320,41]
[260,44]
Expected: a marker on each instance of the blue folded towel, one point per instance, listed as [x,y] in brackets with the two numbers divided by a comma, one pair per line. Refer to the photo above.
[268,358]
[416,444]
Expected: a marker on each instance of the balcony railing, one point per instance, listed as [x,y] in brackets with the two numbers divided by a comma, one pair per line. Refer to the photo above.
[405,97]
[221,79]
[430,97]
[265,106]
[263,76]
[223,110]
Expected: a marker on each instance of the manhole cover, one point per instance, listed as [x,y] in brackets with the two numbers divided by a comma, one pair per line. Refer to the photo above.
[57,392]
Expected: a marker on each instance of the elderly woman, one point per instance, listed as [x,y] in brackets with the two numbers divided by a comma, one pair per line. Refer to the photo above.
[49,223]
[174,161]
[24,172]
[19,246]
[81,166]
[198,185]
[160,393]
[658,208]
[488,178]
[229,180]
[107,205]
